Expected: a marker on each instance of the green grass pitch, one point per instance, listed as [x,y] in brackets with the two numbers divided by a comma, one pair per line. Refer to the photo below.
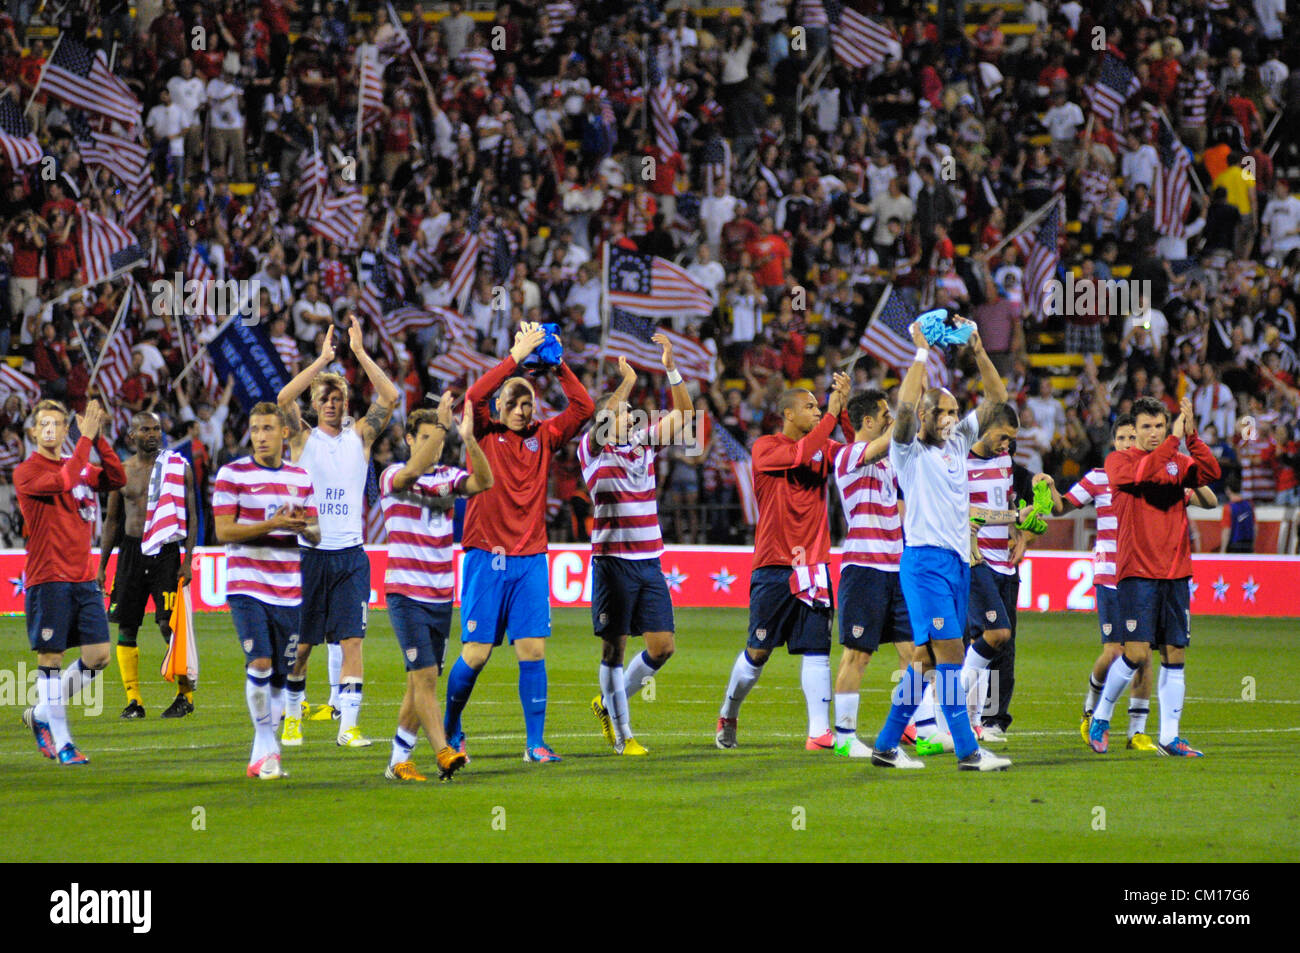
[175,790]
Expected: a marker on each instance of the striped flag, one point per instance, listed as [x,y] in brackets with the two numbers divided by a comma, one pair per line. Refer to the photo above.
[886,337]
[14,381]
[16,137]
[115,367]
[138,195]
[462,274]
[646,285]
[1113,89]
[629,337]
[742,466]
[716,158]
[310,184]
[400,44]
[82,78]
[422,262]
[371,92]
[460,362]
[338,218]
[857,40]
[393,261]
[1173,184]
[399,323]
[105,246]
[663,108]
[1042,257]
[124,158]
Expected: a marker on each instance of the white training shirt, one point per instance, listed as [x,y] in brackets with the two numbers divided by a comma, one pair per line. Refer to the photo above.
[337,466]
[933,481]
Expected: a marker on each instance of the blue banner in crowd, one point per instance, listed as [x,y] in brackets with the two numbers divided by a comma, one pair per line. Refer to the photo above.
[246,352]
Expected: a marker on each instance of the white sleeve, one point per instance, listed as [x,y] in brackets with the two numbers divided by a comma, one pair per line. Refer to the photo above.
[968,429]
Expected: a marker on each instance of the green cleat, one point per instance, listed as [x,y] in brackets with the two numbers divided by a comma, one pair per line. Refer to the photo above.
[936,744]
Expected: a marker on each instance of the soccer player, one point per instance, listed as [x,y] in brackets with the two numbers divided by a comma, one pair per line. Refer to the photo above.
[417,501]
[928,452]
[1153,562]
[629,594]
[335,568]
[261,505]
[505,589]
[872,609]
[149,517]
[63,604]
[790,586]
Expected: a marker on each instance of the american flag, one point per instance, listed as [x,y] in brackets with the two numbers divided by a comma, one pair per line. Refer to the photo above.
[644,284]
[372,95]
[338,218]
[857,40]
[1113,89]
[422,262]
[16,137]
[82,78]
[887,338]
[115,367]
[1042,257]
[663,108]
[13,381]
[400,44]
[374,530]
[105,246]
[310,186]
[462,275]
[742,466]
[1173,184]
[197,267]
[629,337]
[124,158]
[399,323]
[393,261]
[503,254]
[137,200]
[716,157]
[460,362]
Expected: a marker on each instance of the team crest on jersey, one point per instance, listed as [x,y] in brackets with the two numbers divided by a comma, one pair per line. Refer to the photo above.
[937,622]
[47,634]
[857,631]
[532,444]
[817,457]
[1105,628]
[1131,625]
[604,617]
[991,614]
[248,645]
[760,634]
[471,625]
[1171,468]
[411,653]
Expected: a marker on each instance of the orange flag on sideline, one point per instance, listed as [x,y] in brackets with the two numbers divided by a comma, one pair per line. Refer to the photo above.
[182,654]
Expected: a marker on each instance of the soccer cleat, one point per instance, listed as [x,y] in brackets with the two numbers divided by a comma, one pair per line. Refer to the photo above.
[450,761]
[353,738]
[726,736]
[69,755]
[852,748]
[269,769]
[937,743]
[542,754]
[320,712]
[995,734]
[1099,735]
[1178,748]
[978,731]
[1084,725]
[291,737]
[983,760]
[633,747]
[404,771]
[897,758]
[133,709]
[823,742]
[606,723]
[41,729]
[255,766]
[909,735]
[1141,742]
[179,708]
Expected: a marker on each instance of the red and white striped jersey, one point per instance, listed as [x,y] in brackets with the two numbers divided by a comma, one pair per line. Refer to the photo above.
[621,481]
[870,495]
[419,524]
[1094,487]
[1258,482]
[265,568]
[990,486]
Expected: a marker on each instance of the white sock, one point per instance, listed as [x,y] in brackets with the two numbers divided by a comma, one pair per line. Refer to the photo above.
[1117,681]
[349,703]
[403,744]
[1094,693]
[924,718]
[277,706]
[972,666]
[1173,686]
[75,677]
[846,714]
[816,676]
[257,692]
[981,696]
[613,691]
[51,709]
[636,672]
[335,652]
[743,676]
[1138,709]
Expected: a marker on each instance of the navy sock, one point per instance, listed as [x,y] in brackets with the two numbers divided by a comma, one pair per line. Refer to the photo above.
[532,695]
[952,702]
[903,705]
[460,682]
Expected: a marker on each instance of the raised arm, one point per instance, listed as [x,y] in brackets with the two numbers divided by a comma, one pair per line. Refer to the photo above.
[566,424]
[995,389]
[773,457]
[480,476]
[289,394]
[683,408]
[428,453]
[386,394]
[480,392]
[908,420]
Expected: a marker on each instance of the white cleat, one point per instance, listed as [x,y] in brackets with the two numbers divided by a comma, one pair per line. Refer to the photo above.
[270,769]
[983,760]
[352,738]
[898,758]
[853,748]
[995,734]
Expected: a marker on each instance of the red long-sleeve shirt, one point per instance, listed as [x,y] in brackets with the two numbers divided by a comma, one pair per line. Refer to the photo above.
[58,534]
[1151,508]
[512,515]
[790,486]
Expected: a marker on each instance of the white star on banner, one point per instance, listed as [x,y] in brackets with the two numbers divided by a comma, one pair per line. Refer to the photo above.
[1221,589]
[722,580]
[1192,586]
[1250,587]
[20,584]
[675,577]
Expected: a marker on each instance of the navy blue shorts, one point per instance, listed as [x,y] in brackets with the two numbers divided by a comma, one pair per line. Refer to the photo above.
[421,629]
[335,594]
[778,617]
[503,595]
[872,608]
[629,597]
[64,615]
[266,631]
[1156,611]
[993,598]
[1108,616]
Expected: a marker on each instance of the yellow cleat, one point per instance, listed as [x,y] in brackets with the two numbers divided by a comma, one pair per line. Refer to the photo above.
[634,747]
[606,725]
[353,738]
[319,712]
[1142,742]
[449,762]
[405,771]
[1083,728]
[291,737]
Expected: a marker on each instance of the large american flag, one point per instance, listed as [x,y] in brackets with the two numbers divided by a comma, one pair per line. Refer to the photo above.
[663,108]
[629,337]
[115,367]
[82,78]
[16,137]
[1173,184]
[400,322]
[1113,89]
[647,285]
[338,218]
[462,274]
[742,465]
[460,362]
[400,44]
[310,185]
[857,40]
[1042,255]
[124,158]
[13,381]
[372,94]
[105,246]
[887,337]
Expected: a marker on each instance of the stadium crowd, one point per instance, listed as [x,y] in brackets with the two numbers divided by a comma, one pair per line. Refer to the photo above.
[800,190]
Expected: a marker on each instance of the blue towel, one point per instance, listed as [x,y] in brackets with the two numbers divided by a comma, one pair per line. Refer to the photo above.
[551,351]
[937,330]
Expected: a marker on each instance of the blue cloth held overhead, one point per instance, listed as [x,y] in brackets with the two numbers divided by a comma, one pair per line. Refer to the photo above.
[937,330]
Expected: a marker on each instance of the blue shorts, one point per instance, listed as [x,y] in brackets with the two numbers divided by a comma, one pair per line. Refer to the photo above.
[993,598]
[936,585]
[421,629]
[778,617]
[266,631]
[512,597]
[335,594]
[1108,616]
[1156,611]
[64,615]
[629,597]
[872,609]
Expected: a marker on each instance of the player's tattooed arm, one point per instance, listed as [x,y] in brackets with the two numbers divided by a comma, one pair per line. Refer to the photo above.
[298,431]
[905,423]
[373,424]
[386,393]
[111,535]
